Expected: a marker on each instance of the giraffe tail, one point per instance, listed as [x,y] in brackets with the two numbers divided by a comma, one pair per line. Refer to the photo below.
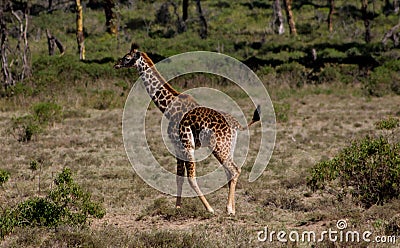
[256,116]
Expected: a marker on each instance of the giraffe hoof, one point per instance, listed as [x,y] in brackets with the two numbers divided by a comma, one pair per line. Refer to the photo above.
[211,211]
[230,211]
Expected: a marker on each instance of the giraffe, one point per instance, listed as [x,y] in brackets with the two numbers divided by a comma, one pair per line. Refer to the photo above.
[190,126]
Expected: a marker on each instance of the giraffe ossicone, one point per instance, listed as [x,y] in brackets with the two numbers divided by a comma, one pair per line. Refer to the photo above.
[190,127]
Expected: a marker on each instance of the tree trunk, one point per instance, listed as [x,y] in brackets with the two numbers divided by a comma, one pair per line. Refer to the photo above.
[22,18]
[364,11]
[396,6]
[203,22]
[180,24]
[111,16]
[289,15]
[52,42]
[7,76]
[49,8]
[392,34]
[80,38]
[330,16]
[278,18]
[185,5]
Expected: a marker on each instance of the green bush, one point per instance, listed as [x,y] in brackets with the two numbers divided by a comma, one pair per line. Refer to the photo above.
[368,169]
[388,124]
[67,203]
[4,176]
[384,79]
[25,127]
[348,73]
[47,112]
[329,53]
[293,72]
[329,74]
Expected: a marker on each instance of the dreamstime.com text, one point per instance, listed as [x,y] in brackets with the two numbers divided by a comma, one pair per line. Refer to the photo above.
[333,235]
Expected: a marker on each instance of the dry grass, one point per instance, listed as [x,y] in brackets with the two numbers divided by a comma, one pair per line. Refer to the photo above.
[320,121]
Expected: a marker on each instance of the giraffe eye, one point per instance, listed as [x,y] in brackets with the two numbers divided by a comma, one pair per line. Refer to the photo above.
[127,58]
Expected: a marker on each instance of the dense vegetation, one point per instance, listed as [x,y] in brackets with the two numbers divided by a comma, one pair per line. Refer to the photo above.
[243,30]
[368,169]
[67,203]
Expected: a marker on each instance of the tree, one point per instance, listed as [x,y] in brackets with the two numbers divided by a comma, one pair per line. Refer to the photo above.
[392,34]
[80,38]
[52,41]
[365,16]
[389,7]
[50,6]
[111,16]
[20,67]
[278,18]
[7,75]
[185,5]
[203,22]
[22,18]
[290,18]
[330,15]
[180,23]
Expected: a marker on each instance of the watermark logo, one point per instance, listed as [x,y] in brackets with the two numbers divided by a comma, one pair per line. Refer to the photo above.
[135,130]
[341,224]
[341,234]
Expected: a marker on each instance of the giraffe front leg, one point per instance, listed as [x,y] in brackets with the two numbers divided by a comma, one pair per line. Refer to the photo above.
[180,173]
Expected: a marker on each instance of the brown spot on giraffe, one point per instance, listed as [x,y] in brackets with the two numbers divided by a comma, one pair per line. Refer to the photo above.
[190,126]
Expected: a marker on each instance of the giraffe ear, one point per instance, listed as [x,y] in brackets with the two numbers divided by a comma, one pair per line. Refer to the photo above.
[134,47]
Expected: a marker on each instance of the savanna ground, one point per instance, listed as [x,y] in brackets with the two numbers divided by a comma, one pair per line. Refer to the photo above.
[314,122]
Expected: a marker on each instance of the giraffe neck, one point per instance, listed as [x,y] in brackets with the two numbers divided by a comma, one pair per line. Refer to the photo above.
[161,93]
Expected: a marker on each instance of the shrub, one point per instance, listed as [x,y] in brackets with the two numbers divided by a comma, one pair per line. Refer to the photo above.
[388,124]
[25,127]
[368,169]
[384,79]
[78,203]
[294,72]
[4,176]
[379,82]
[66,204]
[47,112]
[329,74]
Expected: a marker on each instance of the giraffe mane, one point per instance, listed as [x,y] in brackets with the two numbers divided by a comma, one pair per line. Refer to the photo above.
[161,78]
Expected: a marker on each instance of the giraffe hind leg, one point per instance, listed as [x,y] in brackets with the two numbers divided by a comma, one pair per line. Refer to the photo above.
[180,173]
[234,176]
[233,173]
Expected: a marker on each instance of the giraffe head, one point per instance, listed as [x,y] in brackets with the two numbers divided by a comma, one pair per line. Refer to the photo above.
[130,59]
